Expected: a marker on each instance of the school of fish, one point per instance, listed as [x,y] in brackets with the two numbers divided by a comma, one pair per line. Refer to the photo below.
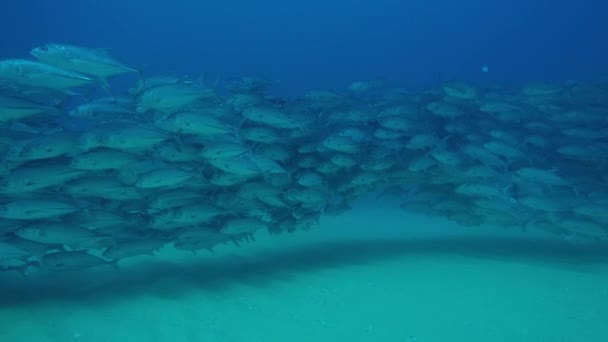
[176,162]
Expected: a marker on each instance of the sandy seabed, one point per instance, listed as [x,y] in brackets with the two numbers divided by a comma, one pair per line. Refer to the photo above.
[374,274]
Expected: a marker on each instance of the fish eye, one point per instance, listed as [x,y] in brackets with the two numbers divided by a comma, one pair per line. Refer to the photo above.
[44,48]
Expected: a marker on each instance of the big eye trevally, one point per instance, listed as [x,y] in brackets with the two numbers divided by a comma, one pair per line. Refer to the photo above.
[89,61]
[41,75]
[14,108]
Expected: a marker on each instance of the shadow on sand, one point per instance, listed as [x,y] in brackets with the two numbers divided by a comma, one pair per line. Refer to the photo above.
[169,279]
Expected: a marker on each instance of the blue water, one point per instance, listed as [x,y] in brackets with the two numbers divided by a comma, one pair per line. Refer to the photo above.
[327,44]
[371,277]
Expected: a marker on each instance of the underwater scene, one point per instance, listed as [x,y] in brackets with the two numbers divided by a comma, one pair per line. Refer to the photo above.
[235,171]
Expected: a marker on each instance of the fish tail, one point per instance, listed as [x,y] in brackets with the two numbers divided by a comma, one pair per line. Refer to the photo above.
[114,264]
[140,72]
[575,190]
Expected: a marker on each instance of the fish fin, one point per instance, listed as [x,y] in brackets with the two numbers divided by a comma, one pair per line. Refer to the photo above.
[61,106]
[23,128]
[87,96]
[61,249]
[523,228]
[575,190]
[445,139]
[25,270]
[507,188]
[139,71]
[240,124]
[105,86]
[217,83]
[114,264]
[202,79]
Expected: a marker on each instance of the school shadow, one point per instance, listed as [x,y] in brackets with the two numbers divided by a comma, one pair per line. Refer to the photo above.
[170,279]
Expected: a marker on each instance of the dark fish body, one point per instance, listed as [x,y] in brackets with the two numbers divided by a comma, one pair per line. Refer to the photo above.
[71,261]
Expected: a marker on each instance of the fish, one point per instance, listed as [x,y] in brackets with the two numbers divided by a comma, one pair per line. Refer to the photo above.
[545,177]
[193,123]
[271,117]
[36,208]
[341,144]
[89,61]
[504,150]
[239,165]
[488,191]
[105,188]
[163,178]
[46,146]
[102,111]
[460,90]
[174,198]
[447,157]
[310,179]
[242,226]
[34,176]
[10,252]
[543,203]
[262,135]
[183,216]
[73,261]
[40,75]
[64,234]
[223,149]
[15,109]
[170,98]
[102,158]
[444,110]
[134,248]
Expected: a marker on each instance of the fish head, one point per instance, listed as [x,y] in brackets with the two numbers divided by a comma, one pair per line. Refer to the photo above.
[147,100]
[88,141]
[29,232]
[81,112]
[110,254]
[106,138]
[10,68]
[48,52]
[14,152]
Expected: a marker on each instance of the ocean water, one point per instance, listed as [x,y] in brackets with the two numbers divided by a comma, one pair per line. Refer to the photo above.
[417,256]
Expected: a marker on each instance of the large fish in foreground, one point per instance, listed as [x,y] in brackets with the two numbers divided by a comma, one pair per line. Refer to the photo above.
[89,61]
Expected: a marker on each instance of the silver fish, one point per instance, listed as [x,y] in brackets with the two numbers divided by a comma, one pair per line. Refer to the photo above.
[40,75]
